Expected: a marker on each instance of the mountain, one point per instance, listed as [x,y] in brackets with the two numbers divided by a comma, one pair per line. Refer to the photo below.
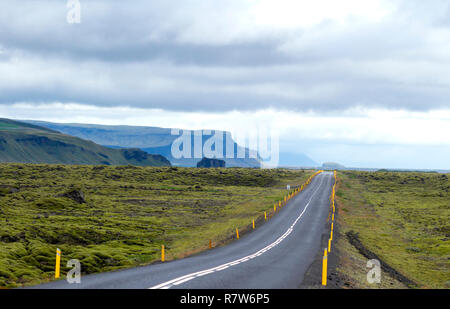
[332,166]
[288,159]
[28,143]
[153,140]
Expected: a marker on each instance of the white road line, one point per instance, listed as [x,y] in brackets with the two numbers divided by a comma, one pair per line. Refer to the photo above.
[182,281]
[188,277]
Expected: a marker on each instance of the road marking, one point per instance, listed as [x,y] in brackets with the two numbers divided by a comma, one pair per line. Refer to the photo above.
[182,281]
[188,277]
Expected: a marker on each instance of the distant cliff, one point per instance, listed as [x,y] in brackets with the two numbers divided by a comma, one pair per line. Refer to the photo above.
[153,140]
[24,143]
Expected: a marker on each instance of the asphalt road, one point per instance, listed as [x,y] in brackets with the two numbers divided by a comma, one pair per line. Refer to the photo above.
[275,255]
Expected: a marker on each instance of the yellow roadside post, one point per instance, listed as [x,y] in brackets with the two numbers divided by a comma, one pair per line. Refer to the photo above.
[275,208]
[324,268]
[237,233]
[163,255]
[253,223]
[279,204]
[329,245]
[265,216]
[58,263]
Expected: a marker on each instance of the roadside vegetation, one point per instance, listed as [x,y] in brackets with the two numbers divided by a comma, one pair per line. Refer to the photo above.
[112,217]
[403,218]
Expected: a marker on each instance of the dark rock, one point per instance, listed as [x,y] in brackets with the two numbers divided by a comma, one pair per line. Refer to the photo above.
[9,238]
[75,195]
[208,163]
[5,189]
[134,153]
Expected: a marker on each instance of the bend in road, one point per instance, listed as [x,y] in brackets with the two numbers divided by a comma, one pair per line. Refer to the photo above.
[275,255]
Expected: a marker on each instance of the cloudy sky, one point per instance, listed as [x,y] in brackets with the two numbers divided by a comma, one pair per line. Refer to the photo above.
[364,83]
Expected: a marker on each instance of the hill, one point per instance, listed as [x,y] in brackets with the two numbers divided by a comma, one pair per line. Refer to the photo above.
[332,166]
[288,159]
[27,143]
[153,140]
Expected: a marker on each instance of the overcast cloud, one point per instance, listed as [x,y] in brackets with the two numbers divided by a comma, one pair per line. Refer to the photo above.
[224,55]
[323,68]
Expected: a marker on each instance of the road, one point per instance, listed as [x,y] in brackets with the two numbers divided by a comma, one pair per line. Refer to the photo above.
[275,255]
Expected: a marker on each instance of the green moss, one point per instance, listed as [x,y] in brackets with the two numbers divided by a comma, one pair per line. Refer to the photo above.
[129,213]
[403,217]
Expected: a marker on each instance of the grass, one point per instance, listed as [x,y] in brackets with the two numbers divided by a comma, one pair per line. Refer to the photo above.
[129,213]
[403,217]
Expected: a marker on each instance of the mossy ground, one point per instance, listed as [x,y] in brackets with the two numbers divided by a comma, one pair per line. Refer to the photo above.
[403,217]
[130,212]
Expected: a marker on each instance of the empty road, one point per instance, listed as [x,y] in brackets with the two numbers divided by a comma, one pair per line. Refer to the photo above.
[275,255]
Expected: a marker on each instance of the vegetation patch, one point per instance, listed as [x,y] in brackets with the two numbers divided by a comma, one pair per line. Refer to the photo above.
[354,240]
[126,213]
[400,217]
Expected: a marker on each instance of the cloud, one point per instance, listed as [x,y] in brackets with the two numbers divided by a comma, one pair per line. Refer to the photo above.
[376,138]
[216,56]
[356,126]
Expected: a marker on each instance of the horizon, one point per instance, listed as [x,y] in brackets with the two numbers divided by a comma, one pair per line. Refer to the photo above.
[280,165]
